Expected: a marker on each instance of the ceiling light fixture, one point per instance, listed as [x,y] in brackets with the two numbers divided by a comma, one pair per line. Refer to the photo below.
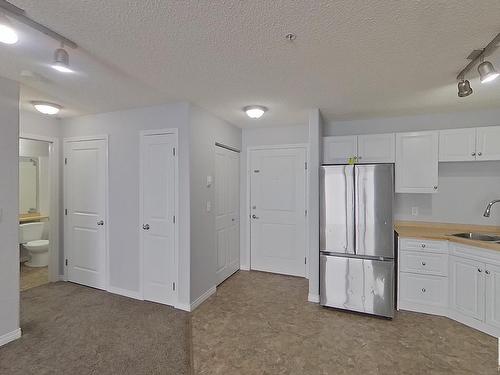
[46,108]
[61,61]
[7,33]
[464,88]
[255,111]
[487,72]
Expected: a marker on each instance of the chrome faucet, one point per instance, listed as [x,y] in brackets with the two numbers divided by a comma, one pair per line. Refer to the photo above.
[488,207]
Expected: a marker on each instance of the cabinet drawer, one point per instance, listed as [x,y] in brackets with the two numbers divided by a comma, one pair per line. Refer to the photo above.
[424,262]
[423,289]
[423,245]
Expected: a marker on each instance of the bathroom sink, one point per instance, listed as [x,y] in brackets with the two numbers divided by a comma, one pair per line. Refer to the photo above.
[478,236]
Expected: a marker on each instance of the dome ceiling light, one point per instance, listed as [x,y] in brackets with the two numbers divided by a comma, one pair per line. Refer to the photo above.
[486,70]
[255,111]
[46,108]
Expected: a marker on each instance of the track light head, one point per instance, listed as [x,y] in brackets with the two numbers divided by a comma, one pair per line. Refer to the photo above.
[61,61]
[487,72]
[464,88]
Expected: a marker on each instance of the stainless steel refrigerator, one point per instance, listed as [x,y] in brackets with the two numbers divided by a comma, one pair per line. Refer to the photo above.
[357,269]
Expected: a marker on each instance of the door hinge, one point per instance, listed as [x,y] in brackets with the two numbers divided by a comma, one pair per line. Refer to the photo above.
[65,160]
[305,260]
[173,219]
[66,211]
[66,262]
[305,165]
[173,286]
[305,212]
[173,151]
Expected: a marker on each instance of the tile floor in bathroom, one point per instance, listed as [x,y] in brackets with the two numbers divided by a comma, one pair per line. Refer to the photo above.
[33,276]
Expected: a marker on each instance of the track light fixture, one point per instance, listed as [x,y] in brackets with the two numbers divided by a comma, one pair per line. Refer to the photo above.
[464,88]
[487,72]
[61,60]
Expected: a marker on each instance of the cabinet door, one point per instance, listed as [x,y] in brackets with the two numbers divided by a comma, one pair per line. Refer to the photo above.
[337,150]
[457,145]
[467,287]
[488,143]
[417,162]
[376,148]
[492,274]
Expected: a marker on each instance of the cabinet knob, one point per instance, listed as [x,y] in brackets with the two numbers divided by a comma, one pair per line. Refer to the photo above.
[479,153]
[423,245]
[479,270]
[360,157]
[487,272]
[473,154]
[435,187]
[423,263]
[423,290]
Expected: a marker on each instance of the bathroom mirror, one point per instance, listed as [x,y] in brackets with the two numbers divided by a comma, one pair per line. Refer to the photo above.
[28,185]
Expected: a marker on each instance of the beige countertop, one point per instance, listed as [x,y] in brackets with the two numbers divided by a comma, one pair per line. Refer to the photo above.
[443,231]
[25,218]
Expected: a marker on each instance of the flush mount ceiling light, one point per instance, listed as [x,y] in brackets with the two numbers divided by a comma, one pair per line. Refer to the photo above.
[61,61]
[7,33]
[255,111]
[487,72]
[46,108]
[464,88]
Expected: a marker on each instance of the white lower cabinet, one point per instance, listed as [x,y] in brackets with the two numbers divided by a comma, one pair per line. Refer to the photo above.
[453,280]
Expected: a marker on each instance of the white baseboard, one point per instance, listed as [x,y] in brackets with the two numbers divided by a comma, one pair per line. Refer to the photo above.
[183,307]
[11,336]
[203,297]
[125,292]
[313,298]
[244,267]
[61,278]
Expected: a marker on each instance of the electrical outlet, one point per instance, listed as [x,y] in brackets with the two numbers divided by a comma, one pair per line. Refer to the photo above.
[414,211]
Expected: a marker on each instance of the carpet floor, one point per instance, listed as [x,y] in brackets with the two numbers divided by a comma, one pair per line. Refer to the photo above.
[119,336]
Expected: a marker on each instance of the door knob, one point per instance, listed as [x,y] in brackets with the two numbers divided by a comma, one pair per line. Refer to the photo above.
[254,216]
[100,222]
[145,226]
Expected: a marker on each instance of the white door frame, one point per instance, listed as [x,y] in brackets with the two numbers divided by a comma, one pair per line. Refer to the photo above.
[103,137]
[173,131]
[54,201]
[246,219]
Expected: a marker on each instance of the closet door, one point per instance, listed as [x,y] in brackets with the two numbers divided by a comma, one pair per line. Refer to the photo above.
[227,212]
[157,232]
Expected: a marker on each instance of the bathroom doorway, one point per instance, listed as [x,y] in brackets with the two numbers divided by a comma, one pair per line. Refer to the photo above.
[38,210]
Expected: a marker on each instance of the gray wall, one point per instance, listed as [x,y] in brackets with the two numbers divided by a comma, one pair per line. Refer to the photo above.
[9,219]
[464,187]
[253,137]
[205,130]
[123,129]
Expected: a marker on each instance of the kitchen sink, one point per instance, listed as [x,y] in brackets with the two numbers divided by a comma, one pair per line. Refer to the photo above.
[478,236]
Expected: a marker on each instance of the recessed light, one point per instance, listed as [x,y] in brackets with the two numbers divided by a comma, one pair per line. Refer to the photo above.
[7,33]
[46,108]
[255,111]
[61,61]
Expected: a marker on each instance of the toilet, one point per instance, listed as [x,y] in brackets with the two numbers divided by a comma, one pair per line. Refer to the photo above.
[30,235]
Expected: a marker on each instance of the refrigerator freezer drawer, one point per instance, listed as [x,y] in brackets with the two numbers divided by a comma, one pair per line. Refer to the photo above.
[362,285]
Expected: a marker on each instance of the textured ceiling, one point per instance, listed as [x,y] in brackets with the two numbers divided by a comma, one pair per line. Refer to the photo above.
[352,59]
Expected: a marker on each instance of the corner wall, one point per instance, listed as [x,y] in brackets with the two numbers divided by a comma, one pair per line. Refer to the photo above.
[9,211]
[205,130]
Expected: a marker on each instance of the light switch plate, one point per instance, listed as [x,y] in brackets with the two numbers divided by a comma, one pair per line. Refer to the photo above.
[209,181]
[414,211]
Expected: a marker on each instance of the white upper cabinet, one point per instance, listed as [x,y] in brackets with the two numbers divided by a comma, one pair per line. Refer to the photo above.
[376,148]
[457,145]
[337,150]
[488,143]
[417,162]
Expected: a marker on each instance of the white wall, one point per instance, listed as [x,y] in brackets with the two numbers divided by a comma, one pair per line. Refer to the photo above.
[261,137]
[9,211]
[205,130]
[464,187]
[123,128]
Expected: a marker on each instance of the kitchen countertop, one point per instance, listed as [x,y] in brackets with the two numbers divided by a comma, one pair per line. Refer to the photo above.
[443,231]
[25,218]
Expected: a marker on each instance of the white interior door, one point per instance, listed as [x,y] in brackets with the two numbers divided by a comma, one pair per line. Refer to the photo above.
[278,210]
[227,208]
[85,205]
[158,217]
